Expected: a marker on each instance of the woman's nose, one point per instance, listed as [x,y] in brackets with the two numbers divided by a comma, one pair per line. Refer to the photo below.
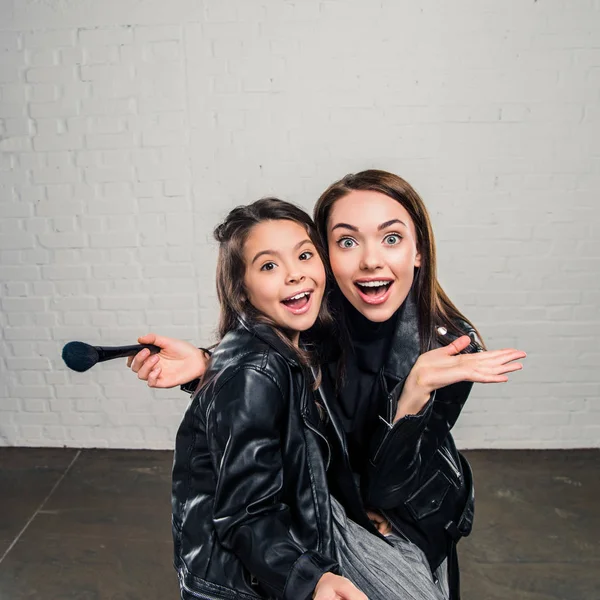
[370,259]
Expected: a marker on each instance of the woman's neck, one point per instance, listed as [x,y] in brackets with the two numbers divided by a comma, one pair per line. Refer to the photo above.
[363,329]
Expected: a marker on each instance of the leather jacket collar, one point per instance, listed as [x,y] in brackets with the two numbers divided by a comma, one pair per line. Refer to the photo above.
[406,345]
[267,334]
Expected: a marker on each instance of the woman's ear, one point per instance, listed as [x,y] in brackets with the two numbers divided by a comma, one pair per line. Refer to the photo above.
[418,259]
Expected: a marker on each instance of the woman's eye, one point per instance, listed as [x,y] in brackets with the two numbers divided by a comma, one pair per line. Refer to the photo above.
[306,255]
[346,243]
[268,266]
[392,239]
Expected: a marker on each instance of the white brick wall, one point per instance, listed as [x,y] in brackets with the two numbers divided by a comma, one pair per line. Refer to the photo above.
[128,129]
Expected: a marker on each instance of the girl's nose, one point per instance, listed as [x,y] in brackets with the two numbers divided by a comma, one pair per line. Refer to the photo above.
[296,277]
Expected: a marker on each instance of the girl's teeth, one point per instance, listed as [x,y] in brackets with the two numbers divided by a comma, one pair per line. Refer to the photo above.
[301,295]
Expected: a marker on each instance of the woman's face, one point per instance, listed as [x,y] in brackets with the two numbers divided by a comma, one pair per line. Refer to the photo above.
[285,277]
[373,252]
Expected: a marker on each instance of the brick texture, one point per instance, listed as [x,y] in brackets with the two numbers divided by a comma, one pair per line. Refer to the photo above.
[125,135]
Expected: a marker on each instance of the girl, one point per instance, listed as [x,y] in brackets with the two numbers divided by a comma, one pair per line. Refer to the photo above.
[397,394]
[252,516]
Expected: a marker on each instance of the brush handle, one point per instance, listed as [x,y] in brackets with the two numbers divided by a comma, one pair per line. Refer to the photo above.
[110,352]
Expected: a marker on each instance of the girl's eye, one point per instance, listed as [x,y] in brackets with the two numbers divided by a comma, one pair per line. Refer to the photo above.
[268,266]
[392,239]
[346,242]
[306,255]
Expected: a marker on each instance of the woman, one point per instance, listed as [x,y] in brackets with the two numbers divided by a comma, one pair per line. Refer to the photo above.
[392,390]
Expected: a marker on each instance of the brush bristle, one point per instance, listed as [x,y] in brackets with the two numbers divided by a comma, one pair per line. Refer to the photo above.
[79,356]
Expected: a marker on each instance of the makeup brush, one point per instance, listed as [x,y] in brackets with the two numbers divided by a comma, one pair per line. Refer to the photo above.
[80,356]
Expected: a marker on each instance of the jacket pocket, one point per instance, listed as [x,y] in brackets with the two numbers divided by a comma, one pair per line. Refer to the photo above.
[429,498]
[194,588]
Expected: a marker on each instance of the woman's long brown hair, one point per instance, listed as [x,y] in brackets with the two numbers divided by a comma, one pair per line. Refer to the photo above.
[435,308]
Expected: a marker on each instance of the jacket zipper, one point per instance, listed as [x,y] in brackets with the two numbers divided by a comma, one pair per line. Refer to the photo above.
[446,456]
[314,430]
[389,425]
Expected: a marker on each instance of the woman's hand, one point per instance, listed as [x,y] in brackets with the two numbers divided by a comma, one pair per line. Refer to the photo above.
[444,366]
[380,522]
[177,363]
[334,587]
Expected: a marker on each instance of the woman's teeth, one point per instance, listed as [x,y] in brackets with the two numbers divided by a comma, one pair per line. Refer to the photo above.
[373,288]
[372,283]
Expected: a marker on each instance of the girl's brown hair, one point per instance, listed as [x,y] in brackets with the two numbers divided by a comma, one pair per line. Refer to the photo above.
[232,234]
[435,308]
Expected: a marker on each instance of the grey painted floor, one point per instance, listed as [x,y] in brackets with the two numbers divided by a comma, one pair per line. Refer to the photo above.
[95,525]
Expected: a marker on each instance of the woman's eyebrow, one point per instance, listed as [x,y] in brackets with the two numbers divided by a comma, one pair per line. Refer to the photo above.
[391,222]
[379,227]
[344,226]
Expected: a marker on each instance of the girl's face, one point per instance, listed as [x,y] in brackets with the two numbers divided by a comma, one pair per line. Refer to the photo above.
[285,278]
[373,252]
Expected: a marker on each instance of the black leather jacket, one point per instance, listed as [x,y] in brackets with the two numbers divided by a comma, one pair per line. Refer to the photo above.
[415,475]
[250,502]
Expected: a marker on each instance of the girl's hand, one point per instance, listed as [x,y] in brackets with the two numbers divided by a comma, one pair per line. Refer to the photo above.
[334,587]
[445,366]
[177,363]
[381,523]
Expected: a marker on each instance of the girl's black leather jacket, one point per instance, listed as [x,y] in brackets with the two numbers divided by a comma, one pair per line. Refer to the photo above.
[250,502]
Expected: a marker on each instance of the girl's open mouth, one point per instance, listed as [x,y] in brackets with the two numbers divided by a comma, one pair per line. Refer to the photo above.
[299,303]
[374,291]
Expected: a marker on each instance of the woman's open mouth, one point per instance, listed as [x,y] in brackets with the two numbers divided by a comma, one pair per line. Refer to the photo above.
[374,291]
[299,303]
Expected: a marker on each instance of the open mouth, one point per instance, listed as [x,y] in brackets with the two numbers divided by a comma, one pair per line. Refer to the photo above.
[298,304]
[374,291]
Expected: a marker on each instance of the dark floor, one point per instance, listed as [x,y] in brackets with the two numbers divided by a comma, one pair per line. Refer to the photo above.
[94,525]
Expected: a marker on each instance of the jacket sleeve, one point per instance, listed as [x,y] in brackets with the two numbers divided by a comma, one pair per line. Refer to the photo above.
[403,452]
[244,424]
[191,386]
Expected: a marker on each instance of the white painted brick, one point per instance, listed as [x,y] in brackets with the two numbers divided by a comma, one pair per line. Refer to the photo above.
[27,364]
[101,55]
[65,107]
[70,56]
[18,126]
[16,240]
[18,273]
[41,57]
[12,110]
[145,34]
[36,226]
[49,127]
[44,39]
[106,36]
[63,240]
[50,75]
[15,144]
[97,141]
[103,107]
[58,142]
[102,175]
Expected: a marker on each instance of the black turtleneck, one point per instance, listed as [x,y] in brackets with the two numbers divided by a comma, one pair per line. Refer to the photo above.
[364,355]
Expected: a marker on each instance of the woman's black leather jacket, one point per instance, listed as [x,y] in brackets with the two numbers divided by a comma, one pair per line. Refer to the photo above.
[250,502]
[414,474]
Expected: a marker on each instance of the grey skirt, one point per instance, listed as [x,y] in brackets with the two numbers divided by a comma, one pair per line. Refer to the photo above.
[381,571]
